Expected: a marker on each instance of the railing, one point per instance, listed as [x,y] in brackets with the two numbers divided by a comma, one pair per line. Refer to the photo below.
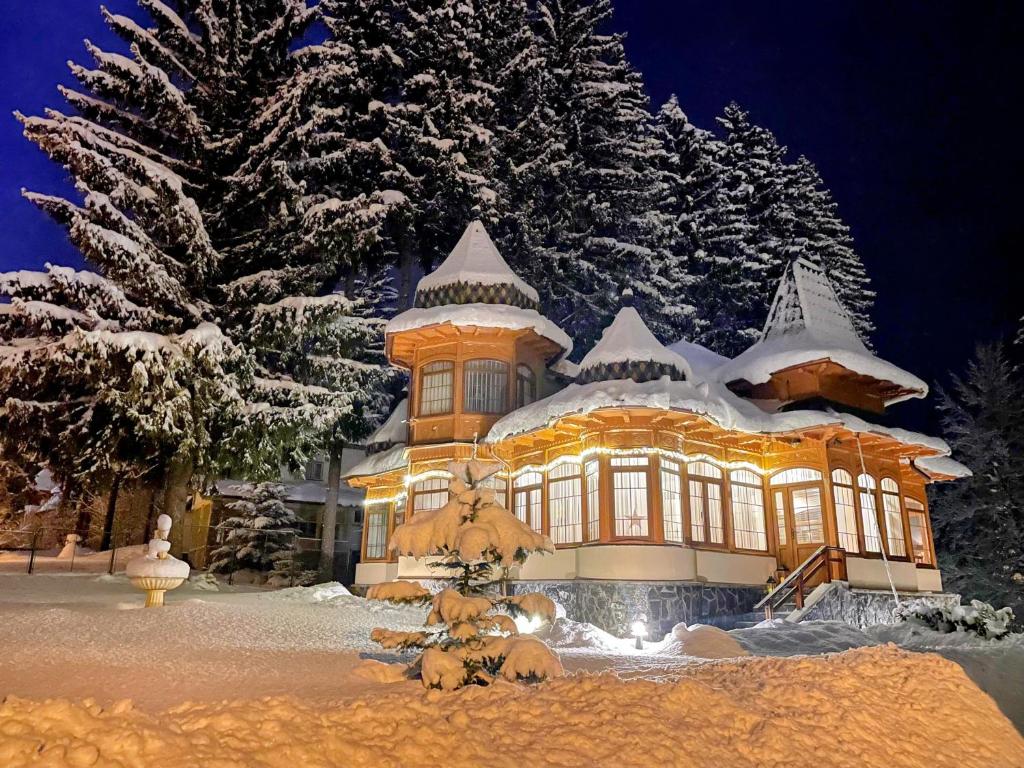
[828,561]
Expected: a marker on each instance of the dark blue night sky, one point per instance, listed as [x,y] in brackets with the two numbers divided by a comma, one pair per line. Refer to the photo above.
[907,108]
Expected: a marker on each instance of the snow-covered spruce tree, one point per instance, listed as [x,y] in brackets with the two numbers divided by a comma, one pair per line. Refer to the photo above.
[979,521]
[470,637]
[260,536]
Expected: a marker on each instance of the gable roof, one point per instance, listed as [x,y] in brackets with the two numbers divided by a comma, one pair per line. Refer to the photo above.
[394,430]
[628,350]
[475,272]
[807,323]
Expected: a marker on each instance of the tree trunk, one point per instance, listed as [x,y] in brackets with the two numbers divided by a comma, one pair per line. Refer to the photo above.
[176,499]
[405,289]
[329,532]
[108,521]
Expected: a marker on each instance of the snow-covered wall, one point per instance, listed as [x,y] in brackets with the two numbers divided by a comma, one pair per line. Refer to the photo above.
[866,607]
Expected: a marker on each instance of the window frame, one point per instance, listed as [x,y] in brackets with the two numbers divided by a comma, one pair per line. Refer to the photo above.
[450,368]
[530,379]
[415,493]
[850,486]
[502,378]
[915,507]
[384,511]
[565,475]
[677,469]
[592,499]
[703,482]
[737,479]
[893,493]
[644,470]
[520,487]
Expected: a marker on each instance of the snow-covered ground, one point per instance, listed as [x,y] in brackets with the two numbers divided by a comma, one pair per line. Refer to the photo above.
[194,668]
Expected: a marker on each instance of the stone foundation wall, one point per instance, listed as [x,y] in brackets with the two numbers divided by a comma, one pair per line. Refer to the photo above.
[866,607]
[614,605]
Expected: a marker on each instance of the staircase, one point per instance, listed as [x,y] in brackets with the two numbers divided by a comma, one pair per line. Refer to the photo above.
[825,565]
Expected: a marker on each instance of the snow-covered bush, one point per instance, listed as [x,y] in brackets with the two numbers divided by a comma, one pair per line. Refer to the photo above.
[980,618]
[260,537]
[471,637]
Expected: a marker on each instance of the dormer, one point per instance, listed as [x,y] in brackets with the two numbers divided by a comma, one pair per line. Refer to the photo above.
[809,351]
[475,344]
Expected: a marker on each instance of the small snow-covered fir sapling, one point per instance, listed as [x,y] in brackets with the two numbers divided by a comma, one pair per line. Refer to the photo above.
[260,536]
[470,635]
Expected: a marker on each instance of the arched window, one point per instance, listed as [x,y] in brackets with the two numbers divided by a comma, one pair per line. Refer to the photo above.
[748,528]
[918,531]
[499,483]
[565,505]
[869,513]
[526,499]
[705,485]
[846,510]
[893,517]
[436,387]
[797,475]
[591,471]
[526,386]
[429,494]
[485,386]
[672,501]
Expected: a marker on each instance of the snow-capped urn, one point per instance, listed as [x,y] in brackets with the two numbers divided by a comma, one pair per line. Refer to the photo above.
[157,570]
[471,637]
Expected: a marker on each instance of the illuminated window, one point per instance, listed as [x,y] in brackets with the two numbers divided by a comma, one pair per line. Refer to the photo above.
[747,496]
[893,518]
[429,494]
[500,485]
[592,472]
[527,499]
[377,532]
[798,475]
[629,496]
[846,511]
[526,386]
[918,531]
[869,513]
[436,387]
[780,517]
[706,522]
[671,500]
[486,386]
[565,507]
[807,523]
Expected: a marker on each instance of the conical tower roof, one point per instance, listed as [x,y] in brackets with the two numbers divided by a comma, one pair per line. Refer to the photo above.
[475,273]
[628,350]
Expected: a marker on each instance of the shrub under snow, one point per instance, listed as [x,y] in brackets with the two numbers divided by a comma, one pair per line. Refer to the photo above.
[980,618]
[470,638]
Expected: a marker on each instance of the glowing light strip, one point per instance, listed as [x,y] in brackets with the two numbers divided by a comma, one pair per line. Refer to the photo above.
[409,480]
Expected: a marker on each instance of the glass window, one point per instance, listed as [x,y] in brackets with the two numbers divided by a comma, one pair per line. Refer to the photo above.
[918,531]
[486,386]
[846,511]
[807,516]
[706,523]
[499,483]
[780,517]
[798,475]
[747,496]
[526,386]
[527,499]
[629,496]
[893,518]
[592,470]
[565,507]
[671,501]
[377,532]
[704,469]
[869,513]
[315,470]
[436,387]
[429,494]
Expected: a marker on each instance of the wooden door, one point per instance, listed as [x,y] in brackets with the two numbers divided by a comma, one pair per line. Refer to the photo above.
[800,522]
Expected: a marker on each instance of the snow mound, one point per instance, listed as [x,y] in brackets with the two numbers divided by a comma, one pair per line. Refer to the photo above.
[318,593]
[382,672]
[566,633]
[702,642]
[782,638]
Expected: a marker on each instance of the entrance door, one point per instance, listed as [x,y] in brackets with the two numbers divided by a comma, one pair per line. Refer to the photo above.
[800,523]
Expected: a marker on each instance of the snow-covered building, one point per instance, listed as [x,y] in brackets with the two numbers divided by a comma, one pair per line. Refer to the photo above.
[673,482]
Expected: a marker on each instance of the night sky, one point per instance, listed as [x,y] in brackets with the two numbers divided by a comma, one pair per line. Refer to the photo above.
[907,109]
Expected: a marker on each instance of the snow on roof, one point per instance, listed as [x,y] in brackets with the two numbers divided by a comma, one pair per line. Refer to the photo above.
[942,465]
[394,429]
[703,362]
[629,340]
[710,399]
[307,492]
[481,316]
[807,322]
[475,260]
[379,463]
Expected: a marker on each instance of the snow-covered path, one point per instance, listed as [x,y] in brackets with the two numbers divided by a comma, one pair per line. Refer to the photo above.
[194,668]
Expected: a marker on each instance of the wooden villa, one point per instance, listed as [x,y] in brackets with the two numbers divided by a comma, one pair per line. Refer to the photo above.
[648,464]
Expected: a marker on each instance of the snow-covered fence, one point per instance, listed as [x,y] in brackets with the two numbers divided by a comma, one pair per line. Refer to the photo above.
[32,551]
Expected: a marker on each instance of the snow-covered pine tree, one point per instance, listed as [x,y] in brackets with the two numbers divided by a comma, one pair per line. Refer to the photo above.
[259,536]
[468,641]
[979,521]
[818,234]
